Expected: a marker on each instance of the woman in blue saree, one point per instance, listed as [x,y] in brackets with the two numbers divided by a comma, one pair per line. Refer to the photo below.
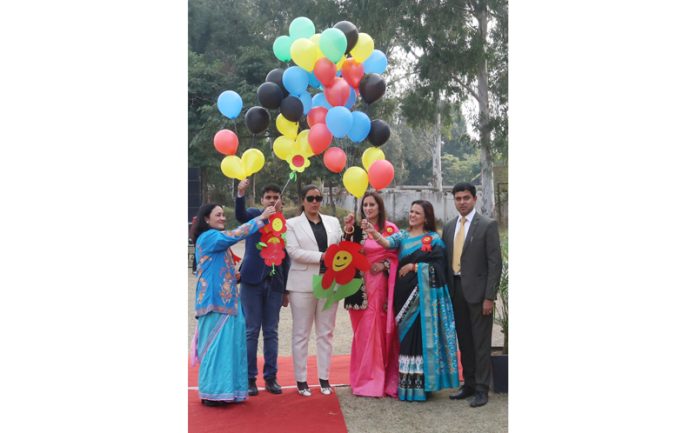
[220,341]
[424,317]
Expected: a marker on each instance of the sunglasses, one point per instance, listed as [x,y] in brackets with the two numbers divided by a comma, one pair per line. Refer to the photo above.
[312,198]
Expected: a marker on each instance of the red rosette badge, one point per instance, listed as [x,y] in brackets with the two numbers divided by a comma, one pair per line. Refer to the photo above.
[427,243]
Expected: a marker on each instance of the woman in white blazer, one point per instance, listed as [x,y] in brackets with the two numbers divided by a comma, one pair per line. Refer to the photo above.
[307,238]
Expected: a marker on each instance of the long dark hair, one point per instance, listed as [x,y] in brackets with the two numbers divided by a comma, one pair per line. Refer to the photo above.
[382,215]
[199,225]
[429,214]
[303,194]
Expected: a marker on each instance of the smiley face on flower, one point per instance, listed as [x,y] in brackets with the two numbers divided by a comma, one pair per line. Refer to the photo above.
[341,260]
[276,225]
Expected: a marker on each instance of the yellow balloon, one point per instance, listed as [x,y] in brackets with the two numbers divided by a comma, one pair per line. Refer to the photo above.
[317,51]
[304,53]
[286,127]
[355,180]
[339,65]
[370,155]
[303,144]
[282,146]
[363,48]
[253,161]
[233,167]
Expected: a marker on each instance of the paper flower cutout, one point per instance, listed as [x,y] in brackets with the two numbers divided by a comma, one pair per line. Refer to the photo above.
[273,253]
[341,260]
[298,162]
[276,225]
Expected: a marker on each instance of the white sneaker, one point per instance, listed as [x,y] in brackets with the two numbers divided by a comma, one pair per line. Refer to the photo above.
[305,392]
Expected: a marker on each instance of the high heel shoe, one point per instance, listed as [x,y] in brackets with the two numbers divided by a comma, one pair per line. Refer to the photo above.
[303,389]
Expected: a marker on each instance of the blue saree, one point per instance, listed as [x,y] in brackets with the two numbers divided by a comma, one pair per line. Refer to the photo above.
[427,335]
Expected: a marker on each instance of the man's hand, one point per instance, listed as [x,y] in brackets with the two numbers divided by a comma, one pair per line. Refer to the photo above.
[270,210]
[279,205]
[242,187]
[488,306]
[286,300]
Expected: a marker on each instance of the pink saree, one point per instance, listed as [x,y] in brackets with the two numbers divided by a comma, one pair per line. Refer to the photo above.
[374,356]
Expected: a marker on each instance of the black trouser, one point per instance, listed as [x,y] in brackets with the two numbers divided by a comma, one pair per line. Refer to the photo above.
[474,332]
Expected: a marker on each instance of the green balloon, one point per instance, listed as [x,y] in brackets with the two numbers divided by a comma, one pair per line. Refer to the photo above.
[281,48]
[301,27]
[333,44]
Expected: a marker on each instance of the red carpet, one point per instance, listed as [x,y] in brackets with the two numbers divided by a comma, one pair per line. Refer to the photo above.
[267,412]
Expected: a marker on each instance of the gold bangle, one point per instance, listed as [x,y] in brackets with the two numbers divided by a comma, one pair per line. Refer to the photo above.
[349,232]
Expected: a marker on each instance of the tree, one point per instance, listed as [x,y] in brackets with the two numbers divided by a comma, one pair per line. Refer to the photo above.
[459,56]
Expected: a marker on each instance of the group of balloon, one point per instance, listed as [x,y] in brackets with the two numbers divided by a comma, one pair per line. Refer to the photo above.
[342,65]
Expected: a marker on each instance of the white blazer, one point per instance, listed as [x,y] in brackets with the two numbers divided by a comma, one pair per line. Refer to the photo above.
[304,251]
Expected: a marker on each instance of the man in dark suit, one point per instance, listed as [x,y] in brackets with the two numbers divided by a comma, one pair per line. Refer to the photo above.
[475,265]
[262,292]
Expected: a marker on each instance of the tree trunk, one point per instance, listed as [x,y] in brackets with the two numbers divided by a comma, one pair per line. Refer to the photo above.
[205,196]
[487,196]
[437,151]
[331,198]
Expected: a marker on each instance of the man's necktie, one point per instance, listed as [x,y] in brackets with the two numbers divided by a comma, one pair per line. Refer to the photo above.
[458,248]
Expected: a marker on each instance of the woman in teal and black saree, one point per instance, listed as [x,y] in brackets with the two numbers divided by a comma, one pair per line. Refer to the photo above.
[427,336]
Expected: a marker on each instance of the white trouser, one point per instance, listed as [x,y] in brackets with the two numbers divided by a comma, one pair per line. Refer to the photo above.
[307,309]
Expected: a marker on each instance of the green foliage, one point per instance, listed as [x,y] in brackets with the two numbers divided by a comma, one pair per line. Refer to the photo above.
[230,47]
[501,310]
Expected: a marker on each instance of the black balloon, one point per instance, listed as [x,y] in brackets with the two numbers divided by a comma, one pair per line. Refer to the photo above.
[292,108]
[379,132]
[276,76]
[257,119]
[372,87]
[270,95]
[351,33]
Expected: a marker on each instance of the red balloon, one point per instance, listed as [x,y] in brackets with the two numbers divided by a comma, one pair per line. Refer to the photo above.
[325,71]
[338,92]
[380,174]
[352,72]
[335,159]
[319,138]
[226,142]
[316,115]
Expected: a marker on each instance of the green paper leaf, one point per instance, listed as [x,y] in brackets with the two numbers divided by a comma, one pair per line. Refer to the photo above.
[347,289]
[319,291]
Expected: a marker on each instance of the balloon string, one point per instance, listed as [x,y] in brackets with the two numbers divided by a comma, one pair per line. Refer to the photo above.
[286,185]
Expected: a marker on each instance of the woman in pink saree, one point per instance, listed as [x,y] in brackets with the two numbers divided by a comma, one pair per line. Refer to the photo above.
[374,356]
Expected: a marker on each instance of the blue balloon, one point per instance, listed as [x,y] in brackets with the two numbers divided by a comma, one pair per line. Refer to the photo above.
[306,99]
[376,63]
[361,127]
[339,120]
[313,81]
[295,80]
[319,100]
[351,98]
[230,104]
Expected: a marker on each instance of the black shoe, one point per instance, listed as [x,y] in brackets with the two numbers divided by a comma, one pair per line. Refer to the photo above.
[214,403]
[253,390]
[480,398]
[272,386]
[463,392]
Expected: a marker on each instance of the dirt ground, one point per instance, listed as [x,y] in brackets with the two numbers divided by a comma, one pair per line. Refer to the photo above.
[372,415]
